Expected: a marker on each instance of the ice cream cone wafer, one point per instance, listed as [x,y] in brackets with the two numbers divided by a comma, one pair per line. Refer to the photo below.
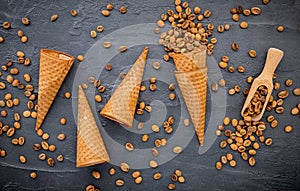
[121,106]
[193,88]
[90,146]
[54,67]
[191,75]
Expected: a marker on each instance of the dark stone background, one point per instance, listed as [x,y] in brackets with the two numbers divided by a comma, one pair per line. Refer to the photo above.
[277,166]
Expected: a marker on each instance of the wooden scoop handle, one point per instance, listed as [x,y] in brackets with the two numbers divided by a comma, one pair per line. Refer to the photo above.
[273,58]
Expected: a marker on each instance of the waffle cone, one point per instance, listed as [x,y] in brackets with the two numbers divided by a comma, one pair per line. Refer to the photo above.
[191,75]
[54,67]
[121,106]
[90,146]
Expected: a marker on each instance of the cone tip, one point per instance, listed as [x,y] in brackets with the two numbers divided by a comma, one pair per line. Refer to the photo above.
[79,87]
[37,126]
[146,49]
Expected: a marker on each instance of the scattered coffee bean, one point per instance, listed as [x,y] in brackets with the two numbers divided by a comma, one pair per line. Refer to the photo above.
[177,149]
[33,175]
[157,176]
[108,67]
[171,186]
[74,12]
[20,33]
[129,146]
[255,10]
[231,69]
[2,153]
[288,129]
[93,34]
[37,147]
[119,182]
[145,138]
[27,62]
[288,82]
[96,174]
[90,188]
[27,77]
[54,17]
[112,171]
[67,95]
[51,162]
[122,48]
[251,161]
[60,158]
[138,180]
[218,165]
[98,98]
[100,28]
[10,132]
[172,96]
[232,163]
[14,141]
[107,44]
[61,136]
[246,12]
[235,17]
[123,9]
[124,167]
[105,13]
[160,23]
[252,53]
[42,156]
[80,57]
[52,148]
[283,94]
[280,28]
[214,87]
[235,46]
[295,111]
[63,121]
[223,64]
[2,85]
[244,25]
[23,159]
[6,25]
[153,164]
[25,21]
[156,65]
[45,145]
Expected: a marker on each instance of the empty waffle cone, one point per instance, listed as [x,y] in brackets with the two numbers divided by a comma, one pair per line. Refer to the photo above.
[90,146]
[54,67]
[121,106]
[191,75]
[193,88]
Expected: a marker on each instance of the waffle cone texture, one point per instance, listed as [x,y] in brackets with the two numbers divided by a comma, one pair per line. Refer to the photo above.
[54,67]
[122,104]
[191,75]
[91,149]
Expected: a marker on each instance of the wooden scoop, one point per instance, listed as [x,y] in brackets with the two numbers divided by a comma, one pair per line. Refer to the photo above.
[265,78]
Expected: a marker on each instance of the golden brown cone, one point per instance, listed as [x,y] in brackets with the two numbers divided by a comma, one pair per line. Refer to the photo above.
[121,106]
[54,67]
[90,146]
[192,82]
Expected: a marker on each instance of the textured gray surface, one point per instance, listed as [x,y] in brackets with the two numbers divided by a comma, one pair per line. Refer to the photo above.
[277,166]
